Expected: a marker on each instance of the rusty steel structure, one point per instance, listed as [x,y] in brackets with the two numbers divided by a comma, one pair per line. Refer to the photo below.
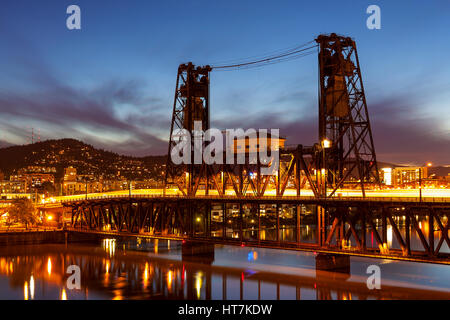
[191,104]
[343,115]
[343,120]
[398,229]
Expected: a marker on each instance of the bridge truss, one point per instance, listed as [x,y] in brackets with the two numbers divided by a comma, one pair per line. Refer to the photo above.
[404,230]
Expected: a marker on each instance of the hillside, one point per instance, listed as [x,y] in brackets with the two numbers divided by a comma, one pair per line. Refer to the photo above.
[87,159]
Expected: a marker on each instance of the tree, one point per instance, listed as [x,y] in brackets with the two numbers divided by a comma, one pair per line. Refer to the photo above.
[47,187]
[23,211]
[4,216]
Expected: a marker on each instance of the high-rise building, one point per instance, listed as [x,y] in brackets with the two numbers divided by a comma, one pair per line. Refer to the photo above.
[387,176]
[402,176]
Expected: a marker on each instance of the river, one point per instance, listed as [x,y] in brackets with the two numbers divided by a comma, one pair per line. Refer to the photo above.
[149,269]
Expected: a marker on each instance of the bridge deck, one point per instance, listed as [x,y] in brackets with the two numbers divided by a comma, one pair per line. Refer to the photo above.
[268,199]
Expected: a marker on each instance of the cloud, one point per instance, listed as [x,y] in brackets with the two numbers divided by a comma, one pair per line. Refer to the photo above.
[118,115]
[125,116]
[401,134]
[89,116]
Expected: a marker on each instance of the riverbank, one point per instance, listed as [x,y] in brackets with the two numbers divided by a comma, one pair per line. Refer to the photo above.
[46,237]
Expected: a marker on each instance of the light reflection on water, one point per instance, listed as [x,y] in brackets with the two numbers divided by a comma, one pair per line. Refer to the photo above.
[308,230]
[146,269]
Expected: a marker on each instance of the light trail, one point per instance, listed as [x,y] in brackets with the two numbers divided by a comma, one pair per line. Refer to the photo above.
[392,193]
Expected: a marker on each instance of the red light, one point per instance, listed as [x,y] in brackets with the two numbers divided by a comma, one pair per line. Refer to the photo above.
[315,286]
[242,276]
[183,242]
[371,235]
[182,273]
[242,245]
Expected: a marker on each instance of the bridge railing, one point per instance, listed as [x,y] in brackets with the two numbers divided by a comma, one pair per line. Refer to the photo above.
[424,200]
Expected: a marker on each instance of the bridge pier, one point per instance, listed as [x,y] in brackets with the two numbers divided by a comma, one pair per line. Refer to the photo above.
[196,251]
[333,262]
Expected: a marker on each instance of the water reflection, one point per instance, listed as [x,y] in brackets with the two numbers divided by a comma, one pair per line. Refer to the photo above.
[32,287]
[38,272]
[291,224]
[63,294]
[109,245]
[49,266]
[416,243]
[198,283]
[25,291]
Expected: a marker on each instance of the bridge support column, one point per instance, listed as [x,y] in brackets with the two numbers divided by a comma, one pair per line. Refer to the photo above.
[321,225]
[333,262]
[196,251]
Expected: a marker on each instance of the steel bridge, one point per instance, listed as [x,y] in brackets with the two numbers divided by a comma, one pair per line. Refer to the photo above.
[395,228]
[402,228]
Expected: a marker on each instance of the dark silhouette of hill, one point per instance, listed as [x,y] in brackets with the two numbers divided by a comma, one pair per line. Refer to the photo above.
[87,159]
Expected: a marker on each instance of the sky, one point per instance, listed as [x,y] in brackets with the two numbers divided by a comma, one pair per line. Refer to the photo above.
[111,84]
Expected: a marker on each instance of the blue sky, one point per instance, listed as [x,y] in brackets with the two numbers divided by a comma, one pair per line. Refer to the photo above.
[112,82]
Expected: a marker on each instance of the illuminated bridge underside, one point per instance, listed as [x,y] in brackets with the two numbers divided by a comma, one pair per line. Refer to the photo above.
[397,229]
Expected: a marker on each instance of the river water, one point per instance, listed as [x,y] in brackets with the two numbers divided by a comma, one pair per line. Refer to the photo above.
[149,269]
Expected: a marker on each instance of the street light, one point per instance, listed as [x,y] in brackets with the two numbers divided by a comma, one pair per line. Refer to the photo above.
[129,188]
[326,144]
[86,183]
[429,164]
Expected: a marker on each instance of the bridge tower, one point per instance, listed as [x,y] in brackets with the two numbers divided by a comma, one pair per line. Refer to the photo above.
[343,115]
[191,104]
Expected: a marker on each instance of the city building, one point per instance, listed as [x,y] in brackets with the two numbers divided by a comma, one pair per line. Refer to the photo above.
[32,180]
[249,144]
[37,169]
[78,187]
[35,180]
[7,186]
[408,176]
[386,176]
[70,174]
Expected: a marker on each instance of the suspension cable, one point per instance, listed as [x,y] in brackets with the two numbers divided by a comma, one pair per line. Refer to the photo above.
[261,56]
[246,67]
[288,55]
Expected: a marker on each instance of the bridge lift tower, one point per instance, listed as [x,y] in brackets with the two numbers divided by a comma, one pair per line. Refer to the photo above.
[191,104]
[343,115]
[344,157]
